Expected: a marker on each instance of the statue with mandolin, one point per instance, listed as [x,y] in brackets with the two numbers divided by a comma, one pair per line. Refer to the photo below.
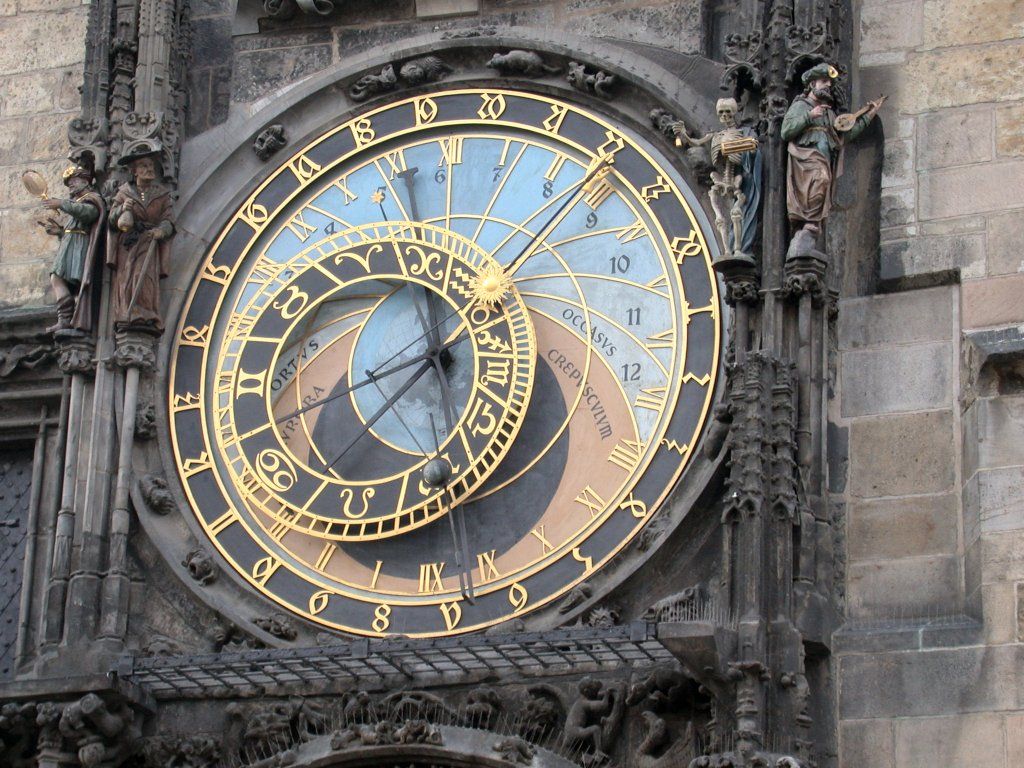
[816,136]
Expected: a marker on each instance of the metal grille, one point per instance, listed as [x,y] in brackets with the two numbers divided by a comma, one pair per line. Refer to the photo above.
[395,662]
[15,484]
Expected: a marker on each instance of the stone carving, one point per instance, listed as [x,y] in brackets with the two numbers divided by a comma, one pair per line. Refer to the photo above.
[201,566]
[597,82]
[182,752]
[460,34]
[141,216]
[603,617]
[415,705]
[358,706]
[592,723]
[667,124]
[359,734]
[661,689]
[656,735]
[653,531]
[417,732]
[269,141]
[482,707]
[161,646]
[282,10]
[75,353]
[523,63]
[18,731]
[542,713]
[577,596]
[428,69]
[719,429]
[145,420]
[79,231]
[134,349]
[230,637]
[816,136]
[27,356]
[277,624]
[156,495]
[103,734]
[677,607]
[515,750]
[270,729]
[735,179]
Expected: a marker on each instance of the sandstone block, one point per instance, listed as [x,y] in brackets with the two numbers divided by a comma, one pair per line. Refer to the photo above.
[898,207]
[13,194]
[259,73]
[1001,499]
[960,226]
[901,455]
[954,137]
[23,239]
[896,318]
[953,681]
[866,743]
[932,259]
[1020,622]
[1005,235]
[973,740]
[1002,556]
[890,26]
[676,25]
[995,301]
[894,379]
[968,189]
[30,93]
[1010,130]
[46,138]
[962,22]
[898,163]
[913,586]
[29,40]
[1014,740]
[1000,613]
[908,527]
[999,433]
[953,77]
[25,284]
[435,9]
[36,6]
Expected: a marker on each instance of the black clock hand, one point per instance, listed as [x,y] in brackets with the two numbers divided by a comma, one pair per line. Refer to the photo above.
[382,410]
[437,473]
[543,231]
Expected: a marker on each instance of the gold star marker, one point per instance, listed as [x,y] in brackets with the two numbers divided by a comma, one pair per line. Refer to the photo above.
[377,197]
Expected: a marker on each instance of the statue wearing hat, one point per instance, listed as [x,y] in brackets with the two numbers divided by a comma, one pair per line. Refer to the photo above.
[79,230]
[140,215]
[816,136]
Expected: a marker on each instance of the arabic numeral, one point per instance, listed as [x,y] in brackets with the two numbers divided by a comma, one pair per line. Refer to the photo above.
[633,316]
[619,264]
[440,176]
[498,169]
[549,189]
[630,371]
[591,220]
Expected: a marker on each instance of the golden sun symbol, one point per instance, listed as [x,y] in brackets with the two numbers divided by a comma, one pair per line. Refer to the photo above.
[491,285]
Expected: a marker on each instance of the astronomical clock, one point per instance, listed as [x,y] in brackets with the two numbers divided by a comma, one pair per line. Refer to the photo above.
[445,362]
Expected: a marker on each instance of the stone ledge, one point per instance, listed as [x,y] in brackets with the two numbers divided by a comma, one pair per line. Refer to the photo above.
[912,635]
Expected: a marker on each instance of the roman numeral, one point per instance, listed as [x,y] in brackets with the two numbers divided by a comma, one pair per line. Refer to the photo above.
[325,556]
[250,383]
[300,228]
[652,398]
[222,522]
[430,578]
[663,340]
[590,499]
[488,571]
[396,162]
[347,194]
[626,454]
[451,151]
[545,545]
[555,167]
[633,232]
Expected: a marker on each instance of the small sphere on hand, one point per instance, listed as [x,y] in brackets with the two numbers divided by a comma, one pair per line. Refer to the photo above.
[437,472]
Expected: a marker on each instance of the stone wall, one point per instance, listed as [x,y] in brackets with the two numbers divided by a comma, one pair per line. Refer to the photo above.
[41,62]
[930,401]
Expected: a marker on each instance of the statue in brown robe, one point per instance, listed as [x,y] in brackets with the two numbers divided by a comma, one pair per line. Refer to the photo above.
[140,213]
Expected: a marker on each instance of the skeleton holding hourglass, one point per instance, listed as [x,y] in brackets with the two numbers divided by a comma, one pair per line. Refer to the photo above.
[735,178]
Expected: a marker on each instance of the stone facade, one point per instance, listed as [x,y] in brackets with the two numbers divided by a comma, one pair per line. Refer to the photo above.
[902,643]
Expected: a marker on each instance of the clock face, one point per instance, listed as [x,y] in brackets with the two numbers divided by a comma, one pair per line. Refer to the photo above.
[445,363]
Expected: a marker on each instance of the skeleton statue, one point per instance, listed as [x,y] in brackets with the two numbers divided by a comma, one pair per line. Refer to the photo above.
[735,179]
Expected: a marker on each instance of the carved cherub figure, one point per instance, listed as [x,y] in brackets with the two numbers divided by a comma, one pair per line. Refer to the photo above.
[593,719]
[735,178]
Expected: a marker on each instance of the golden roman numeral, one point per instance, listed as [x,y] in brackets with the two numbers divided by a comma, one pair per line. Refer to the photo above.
[222,522]
[626,454]
[590,499]
[376,574]
[690,312]
[652,398]
[396,162]
[598,189]
[430,578]
[553,122]
[280,528]
[348,194]
[488,571]
[556,166]
[300,228]
[545,545]
[633,232]
[663,340]
[325,556]
[451,151]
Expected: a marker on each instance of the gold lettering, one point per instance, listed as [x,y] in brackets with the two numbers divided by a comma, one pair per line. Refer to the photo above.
[555,167]
[426,111]
[672,445]
[195,337]
[193,466]
[303,168]
[626,454]
[452,613]
[633,232]
[488,571]
[318,601]
[295,303]
[545,545]
[264,569]
[588,562]
[430,578]
[184,402]
[497,372]
[481,420]
[517,596]
[652,398]
[636,506]
[300,228]
[655,190]
[362,131]
[254,214]
[702,380]
[250,383]
[381,621]
[590,499]
[451,151]
[222,522]
[553,122]
[682,247]
[347,194]
[396,162]
[663,340]
[492,107]
[376,574]
[325,556]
